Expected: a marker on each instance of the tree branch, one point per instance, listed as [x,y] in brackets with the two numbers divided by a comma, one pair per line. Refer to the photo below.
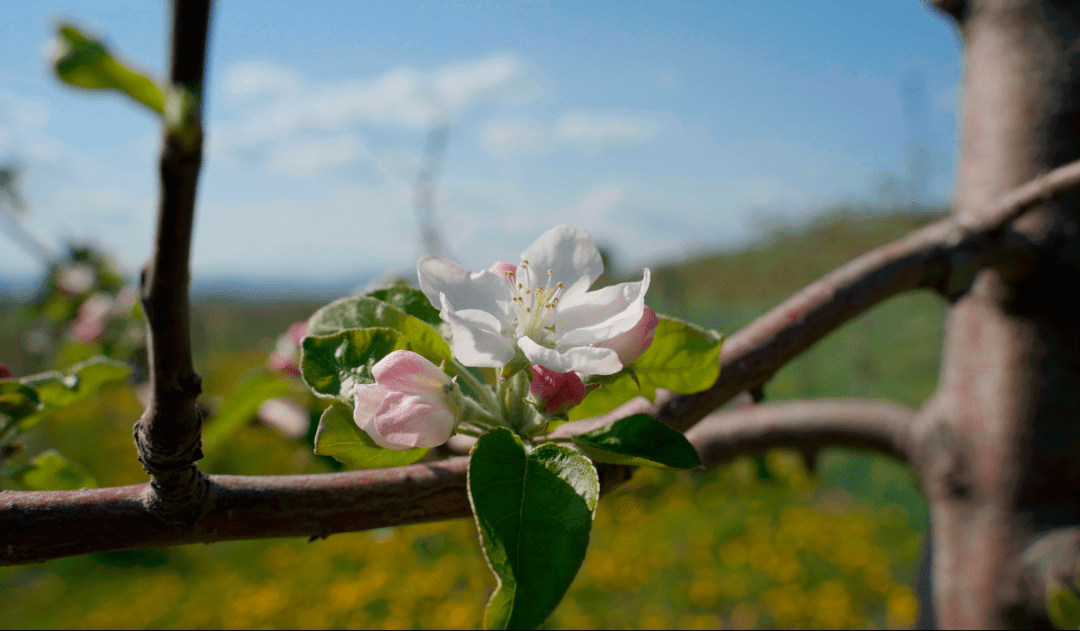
[857,423]
[43,525]
[168,434]
[933,257]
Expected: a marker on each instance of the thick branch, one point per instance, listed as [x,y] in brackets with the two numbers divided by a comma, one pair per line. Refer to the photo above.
[861,424]
[42,525]
[930,257]
[168,434]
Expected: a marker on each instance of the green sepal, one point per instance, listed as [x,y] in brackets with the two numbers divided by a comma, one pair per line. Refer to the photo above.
[50,471]
[534,511]
[639,440]
[340,438]
[683,358]
[335,364]
[86,63]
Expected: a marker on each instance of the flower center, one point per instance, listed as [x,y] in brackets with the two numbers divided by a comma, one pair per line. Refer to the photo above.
[534,304]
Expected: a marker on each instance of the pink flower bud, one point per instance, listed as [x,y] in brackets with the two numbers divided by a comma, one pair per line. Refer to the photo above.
[297,331]
[284,364]
[409,405]
[502,268]
[5,372]
[633,343]
[285,358]
[556,392]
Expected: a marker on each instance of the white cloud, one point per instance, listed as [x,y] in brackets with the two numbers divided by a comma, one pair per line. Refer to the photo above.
[600,202]
[251,78]
[596,134]
[513,135]
[309,156]
[402,97]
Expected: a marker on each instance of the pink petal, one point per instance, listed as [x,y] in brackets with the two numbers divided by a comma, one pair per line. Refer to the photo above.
[410,373]
[414,421]
[368,398]
[633,343]
[557,391]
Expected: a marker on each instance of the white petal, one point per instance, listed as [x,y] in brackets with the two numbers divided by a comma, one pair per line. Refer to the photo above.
[586,360]
[466,290]
[478,339]
[569,253]
[409,372]
[368,398]
[600,315]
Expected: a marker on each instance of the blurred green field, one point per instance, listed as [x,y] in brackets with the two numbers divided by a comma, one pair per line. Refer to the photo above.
[760,543]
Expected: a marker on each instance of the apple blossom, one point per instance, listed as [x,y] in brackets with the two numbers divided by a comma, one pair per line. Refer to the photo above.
[539,312]
[411,404]
[633,343]
[555,392]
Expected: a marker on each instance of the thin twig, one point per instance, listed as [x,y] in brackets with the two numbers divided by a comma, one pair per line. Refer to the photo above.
[168,434]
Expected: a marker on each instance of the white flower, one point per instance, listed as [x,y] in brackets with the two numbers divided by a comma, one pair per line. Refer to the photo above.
[542,308]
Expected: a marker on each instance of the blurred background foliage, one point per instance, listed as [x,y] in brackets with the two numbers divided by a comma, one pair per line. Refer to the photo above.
[762,542]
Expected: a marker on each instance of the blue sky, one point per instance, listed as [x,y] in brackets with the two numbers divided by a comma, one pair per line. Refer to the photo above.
[659,127]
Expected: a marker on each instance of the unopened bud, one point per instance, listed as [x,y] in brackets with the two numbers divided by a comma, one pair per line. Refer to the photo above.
[555,392]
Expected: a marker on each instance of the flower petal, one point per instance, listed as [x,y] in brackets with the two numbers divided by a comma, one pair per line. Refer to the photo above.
[368,398]
[586,360]
[478,338]
[414,421]
[569,253]
[409,372]
[602,314]
[633,343]
[484,290]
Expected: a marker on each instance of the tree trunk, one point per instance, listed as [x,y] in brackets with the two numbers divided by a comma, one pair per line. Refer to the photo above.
[999,443]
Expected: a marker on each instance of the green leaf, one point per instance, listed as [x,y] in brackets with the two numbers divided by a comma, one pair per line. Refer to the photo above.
[340,438]
[683,358]
[239,405]
[50,471]
[1064,607]
[410,300]
[86,63]
[639,440]
[333,365]
[17,401]
[361,312]
[534,512]
[58,390]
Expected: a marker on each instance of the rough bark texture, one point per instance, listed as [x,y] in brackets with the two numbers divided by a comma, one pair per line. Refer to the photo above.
[998,443]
